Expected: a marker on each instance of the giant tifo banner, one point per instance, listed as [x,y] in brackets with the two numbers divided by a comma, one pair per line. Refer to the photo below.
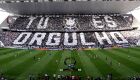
[56,40]
[70,22]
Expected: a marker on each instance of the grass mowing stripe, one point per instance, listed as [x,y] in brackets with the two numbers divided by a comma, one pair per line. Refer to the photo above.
[104,67]
[52,66]
[88,66]
[126,57]
[61,65]
[9,54]
[135,52]
[135,48]
[36,68]
[19,69]
[18,61]
[1,49]
[8,51]
[121,69]
[127,66]
[79,65]
[130,53]
[10,57]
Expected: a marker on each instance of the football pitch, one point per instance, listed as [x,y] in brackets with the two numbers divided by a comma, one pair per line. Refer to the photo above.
[122,63]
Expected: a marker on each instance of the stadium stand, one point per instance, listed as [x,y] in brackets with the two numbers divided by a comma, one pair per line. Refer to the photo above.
[71,23]
[32,40]
[57,25]
[69,31]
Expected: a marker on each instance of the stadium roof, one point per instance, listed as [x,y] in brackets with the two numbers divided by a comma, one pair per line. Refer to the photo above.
[68,7]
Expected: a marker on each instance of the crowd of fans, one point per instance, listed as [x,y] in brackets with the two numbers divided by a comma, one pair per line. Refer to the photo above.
[2,77]
[70,77]
[133,38]
[87,24]
[71,22]
[63,77]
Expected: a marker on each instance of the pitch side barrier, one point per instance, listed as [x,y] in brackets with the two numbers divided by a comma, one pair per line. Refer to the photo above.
[71,31]
[68,6]
[56,41]
[38,1]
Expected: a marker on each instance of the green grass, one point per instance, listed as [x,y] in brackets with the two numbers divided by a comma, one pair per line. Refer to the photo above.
[19,64]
